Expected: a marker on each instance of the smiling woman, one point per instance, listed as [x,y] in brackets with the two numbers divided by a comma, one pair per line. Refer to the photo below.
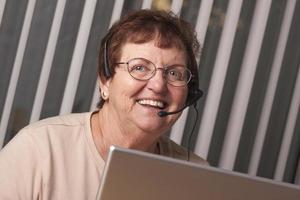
[146,65]
[132,103]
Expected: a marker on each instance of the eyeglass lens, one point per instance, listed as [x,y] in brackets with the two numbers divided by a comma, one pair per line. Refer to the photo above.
[143,69]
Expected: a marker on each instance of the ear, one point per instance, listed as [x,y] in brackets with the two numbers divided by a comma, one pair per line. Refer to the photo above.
[104,87]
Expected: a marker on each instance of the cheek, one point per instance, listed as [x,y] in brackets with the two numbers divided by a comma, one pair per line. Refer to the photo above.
[180,96]
[122,93]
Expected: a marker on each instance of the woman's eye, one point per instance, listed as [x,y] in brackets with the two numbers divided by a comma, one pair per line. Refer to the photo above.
[140,68]
[175,74]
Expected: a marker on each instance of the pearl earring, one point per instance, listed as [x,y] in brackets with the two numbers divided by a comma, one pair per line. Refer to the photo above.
[104,95]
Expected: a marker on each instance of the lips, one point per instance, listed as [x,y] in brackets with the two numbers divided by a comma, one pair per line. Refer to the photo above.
[152,103]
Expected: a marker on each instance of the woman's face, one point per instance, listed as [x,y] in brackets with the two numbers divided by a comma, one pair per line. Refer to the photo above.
[134,103]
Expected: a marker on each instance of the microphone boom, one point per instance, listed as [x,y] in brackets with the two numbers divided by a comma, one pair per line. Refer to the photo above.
[196,96]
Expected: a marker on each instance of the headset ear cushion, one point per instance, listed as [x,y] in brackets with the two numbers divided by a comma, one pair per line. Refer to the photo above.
[194,96]
[198,93]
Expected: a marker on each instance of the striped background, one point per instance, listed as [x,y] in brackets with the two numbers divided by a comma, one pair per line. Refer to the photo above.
[249,69]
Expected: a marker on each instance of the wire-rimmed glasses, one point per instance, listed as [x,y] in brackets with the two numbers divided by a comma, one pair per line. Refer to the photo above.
[143,69]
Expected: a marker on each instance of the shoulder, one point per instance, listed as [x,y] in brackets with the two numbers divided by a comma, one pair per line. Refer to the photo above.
[172,149]
[63,120]
[55,130]
[42,137]
[59,124]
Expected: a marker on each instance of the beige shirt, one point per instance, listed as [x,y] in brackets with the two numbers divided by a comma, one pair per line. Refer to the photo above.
[56,158]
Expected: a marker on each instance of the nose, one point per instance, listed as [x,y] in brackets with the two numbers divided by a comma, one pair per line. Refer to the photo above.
[158,82]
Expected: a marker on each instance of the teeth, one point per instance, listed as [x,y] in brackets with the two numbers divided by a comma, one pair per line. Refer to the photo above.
[158,104]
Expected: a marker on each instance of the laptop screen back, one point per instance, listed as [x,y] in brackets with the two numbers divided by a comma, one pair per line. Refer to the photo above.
[135,175]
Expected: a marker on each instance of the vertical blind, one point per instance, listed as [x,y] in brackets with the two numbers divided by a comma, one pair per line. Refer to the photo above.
[248,68]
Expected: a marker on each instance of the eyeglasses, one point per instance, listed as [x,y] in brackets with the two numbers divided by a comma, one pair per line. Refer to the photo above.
[143,69]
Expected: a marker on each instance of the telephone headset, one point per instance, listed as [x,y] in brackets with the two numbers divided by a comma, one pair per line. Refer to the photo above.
[193,96]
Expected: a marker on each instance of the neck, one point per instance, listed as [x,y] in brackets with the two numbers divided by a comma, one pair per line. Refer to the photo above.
[105,135]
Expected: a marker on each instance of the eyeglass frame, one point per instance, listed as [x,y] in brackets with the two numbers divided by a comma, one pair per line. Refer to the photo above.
[164,69]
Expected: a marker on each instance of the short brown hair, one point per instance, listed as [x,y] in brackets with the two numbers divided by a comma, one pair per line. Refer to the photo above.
[144,26]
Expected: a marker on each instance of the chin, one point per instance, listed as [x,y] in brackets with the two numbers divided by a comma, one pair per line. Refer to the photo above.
[154,126]
[149,121]
[151,127]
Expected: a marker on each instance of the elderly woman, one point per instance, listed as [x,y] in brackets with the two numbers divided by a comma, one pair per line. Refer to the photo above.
[147,68]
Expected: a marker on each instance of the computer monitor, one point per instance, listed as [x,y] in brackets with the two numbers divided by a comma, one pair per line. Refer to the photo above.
[136,175]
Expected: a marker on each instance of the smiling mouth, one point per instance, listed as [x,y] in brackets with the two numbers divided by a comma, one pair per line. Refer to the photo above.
[152,103]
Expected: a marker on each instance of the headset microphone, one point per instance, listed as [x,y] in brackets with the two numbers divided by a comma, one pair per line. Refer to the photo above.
[196,96]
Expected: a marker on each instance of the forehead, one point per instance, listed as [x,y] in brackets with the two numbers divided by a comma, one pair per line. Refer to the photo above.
[151,51]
